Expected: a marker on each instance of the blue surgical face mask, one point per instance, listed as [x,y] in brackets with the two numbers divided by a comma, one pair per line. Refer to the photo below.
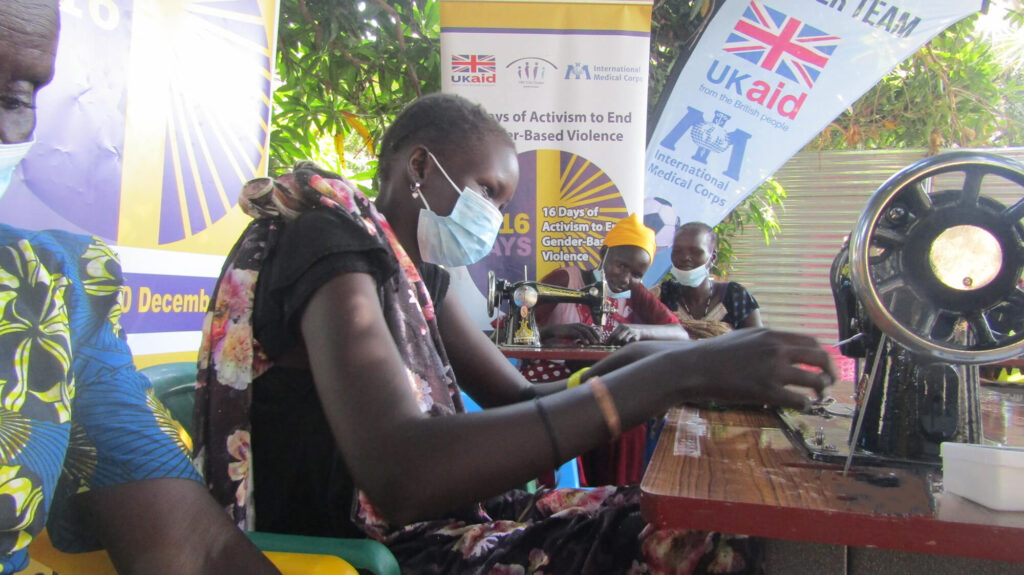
[691,278]
[10,156]
[463,237]
[599,275]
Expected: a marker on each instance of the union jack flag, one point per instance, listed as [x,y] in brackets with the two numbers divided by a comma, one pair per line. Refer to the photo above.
[784,45]
[473,64]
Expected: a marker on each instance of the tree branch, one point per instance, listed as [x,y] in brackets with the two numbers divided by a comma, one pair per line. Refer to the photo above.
[409,70]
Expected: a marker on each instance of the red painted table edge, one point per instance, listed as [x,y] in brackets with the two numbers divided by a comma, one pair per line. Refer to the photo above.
[917,533]
[554,353]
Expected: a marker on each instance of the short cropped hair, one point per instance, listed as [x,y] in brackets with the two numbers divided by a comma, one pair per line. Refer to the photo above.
[441,122]
[699,227]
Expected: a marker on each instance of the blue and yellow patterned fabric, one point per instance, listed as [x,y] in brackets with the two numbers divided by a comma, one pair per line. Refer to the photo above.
[75,415]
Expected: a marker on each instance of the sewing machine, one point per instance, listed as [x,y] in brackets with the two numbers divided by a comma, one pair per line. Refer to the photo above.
[927,289]
[520,325]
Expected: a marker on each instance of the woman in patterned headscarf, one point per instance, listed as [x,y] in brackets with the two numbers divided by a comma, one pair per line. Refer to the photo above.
[328,404]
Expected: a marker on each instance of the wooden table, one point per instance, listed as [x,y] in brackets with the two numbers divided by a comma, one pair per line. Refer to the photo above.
[739,472]
[592,353]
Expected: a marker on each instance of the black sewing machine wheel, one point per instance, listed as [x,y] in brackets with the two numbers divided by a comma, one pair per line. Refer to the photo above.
[492,294]
[939,271]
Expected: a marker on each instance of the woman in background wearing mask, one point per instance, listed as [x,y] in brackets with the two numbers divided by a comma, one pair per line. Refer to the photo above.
[327,401]
[626,253]
[705,307]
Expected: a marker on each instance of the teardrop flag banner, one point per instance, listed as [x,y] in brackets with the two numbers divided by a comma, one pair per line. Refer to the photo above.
[765,78]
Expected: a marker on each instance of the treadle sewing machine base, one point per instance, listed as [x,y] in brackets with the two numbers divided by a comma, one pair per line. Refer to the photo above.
[824,433]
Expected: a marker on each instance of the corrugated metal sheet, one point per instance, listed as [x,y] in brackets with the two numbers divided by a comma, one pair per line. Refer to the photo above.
[827,192]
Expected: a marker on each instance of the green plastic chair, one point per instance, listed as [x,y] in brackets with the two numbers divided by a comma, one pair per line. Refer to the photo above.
[363,554]
[174,384]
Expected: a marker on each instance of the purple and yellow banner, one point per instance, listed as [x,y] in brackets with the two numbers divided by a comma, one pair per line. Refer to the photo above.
[157,114]
[568,80]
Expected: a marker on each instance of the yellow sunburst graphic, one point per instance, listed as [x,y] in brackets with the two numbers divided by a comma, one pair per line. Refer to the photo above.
[577,203]
[196,118]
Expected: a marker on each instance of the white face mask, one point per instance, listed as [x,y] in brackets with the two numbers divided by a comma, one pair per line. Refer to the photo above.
[10,156]
[465,236]
[691,278]
[599,274]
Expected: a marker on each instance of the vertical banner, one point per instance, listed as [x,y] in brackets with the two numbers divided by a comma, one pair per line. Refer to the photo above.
[765,78]
[568,80]
[157,113]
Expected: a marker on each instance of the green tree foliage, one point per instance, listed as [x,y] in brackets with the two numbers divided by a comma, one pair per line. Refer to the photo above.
[675,28]
[346,67]
[954,92]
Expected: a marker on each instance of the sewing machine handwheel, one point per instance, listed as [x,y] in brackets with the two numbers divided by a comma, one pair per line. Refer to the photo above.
[938,271]
[492,293]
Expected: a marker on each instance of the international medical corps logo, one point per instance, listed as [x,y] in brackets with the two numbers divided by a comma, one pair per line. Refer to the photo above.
[474,69]
[781,44]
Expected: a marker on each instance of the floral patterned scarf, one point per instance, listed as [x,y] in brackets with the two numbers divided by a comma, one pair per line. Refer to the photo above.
[230,358]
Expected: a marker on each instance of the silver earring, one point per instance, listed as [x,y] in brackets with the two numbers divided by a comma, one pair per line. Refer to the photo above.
[415,189]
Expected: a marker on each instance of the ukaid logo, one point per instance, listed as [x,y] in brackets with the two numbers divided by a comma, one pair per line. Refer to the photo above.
[474,69]
[779,43]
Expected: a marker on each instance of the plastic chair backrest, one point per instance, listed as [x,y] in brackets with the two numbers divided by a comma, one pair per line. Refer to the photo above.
[98,562]
[568,475]
[174,384]
[363,554]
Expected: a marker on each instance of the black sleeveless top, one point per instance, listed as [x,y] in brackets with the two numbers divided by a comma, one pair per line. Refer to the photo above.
[301,484]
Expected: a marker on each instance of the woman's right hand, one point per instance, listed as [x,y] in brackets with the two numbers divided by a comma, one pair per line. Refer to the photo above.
[580,333]
[756,365]
[753,365]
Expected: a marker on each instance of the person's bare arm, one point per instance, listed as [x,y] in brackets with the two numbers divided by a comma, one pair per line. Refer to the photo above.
[633,332]
[483,372]
[753,319]
[168,526]
[432,465]
[435,464]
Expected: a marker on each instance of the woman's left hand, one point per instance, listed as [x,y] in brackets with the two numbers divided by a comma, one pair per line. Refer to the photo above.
[627,333]
[630,332]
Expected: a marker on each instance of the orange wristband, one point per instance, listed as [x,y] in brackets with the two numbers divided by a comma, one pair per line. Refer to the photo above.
[607,406]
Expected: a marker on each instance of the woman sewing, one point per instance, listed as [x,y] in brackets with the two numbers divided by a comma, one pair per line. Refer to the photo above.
[704,306]
[626,253]
[328,397]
